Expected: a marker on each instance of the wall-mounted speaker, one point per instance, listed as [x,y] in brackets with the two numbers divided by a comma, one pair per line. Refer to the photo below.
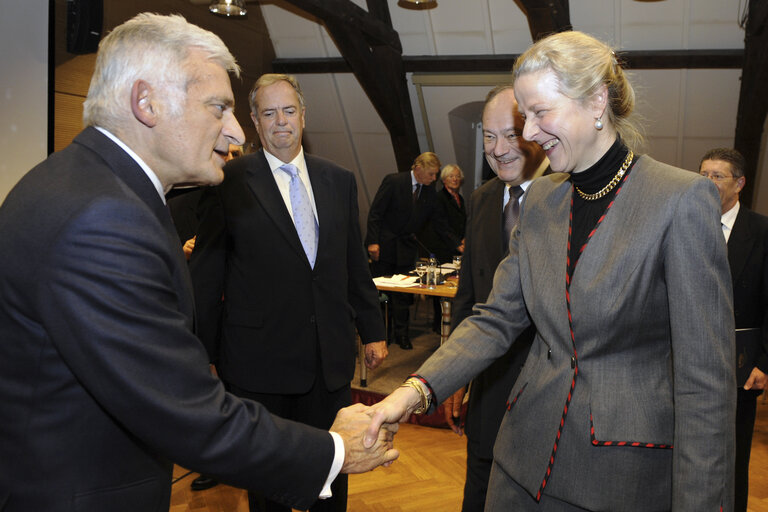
[84,23]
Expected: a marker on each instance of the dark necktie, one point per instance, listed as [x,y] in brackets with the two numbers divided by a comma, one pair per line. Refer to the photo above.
[511,212]
[416,192]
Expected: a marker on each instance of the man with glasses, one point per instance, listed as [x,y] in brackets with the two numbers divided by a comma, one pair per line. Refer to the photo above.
[746,234]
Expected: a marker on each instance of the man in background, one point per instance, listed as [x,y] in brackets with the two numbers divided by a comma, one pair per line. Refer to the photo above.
[280,241]
[746,234]
[102,382]
[403,204]
[491,214]
[184,211]
[184,206]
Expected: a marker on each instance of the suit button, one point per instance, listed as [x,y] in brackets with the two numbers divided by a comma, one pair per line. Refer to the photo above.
[549,354]
[573,361]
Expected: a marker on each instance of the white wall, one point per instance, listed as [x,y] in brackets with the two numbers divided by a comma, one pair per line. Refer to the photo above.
[23,89]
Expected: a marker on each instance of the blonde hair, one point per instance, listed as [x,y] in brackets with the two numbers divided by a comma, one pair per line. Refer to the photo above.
[427,159]
[150,47]
[581,64]
[269,79]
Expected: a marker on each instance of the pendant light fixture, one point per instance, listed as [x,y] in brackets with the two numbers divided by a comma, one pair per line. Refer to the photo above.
[228,7]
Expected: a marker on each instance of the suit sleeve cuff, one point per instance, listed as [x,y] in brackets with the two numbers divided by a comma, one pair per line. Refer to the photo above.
[338,461]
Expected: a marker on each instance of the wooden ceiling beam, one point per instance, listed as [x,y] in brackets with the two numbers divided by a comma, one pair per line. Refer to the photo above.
[371,49]
[375,26]
[653,59]
[753,102]
[546,17]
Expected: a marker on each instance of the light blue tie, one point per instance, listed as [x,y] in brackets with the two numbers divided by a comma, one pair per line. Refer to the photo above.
[303,217]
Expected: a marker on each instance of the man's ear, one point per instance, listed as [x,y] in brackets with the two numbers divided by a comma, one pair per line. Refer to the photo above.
[141,103]
[741,182]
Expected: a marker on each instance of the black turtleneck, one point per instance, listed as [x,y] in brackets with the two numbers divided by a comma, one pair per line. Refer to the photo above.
[586,213]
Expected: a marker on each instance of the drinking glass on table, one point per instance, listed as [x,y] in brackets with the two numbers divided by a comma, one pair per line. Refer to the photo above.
[457,261]
[421,269]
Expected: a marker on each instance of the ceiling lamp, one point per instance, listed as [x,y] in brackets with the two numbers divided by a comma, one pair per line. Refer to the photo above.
[228,7]
[417,4]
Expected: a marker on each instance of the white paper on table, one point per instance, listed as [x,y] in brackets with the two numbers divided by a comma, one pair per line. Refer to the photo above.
[397,280]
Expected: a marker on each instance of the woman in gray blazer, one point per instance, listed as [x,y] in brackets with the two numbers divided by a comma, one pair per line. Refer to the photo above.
[625,400]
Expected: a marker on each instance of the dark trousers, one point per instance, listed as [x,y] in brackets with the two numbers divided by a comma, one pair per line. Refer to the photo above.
[317,408]
[478,473]
[399,303]
[746,410]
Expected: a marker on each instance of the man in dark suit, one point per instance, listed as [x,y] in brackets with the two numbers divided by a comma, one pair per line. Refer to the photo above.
[746,233]
[516,162]
[280,241]
[102,382]
[402,206]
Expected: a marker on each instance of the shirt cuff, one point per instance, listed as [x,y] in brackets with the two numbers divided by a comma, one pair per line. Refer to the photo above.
[338,461]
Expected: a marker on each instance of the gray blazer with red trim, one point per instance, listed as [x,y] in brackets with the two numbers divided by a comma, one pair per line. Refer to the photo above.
[653,326]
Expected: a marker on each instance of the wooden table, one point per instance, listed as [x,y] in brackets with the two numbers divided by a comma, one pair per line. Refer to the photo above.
[446,291]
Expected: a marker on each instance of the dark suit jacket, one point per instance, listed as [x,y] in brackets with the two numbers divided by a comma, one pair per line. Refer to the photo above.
[449,217]
[183,206]
[102,383]
[280,316]
[653,356]
[394,219]
[748,260]
[484,249]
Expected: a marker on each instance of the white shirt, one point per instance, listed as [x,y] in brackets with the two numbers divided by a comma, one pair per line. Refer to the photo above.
[283,179]
[144,167]
[728,219]
[524,185]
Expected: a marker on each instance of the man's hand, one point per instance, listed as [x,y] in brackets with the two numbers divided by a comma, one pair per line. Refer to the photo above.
[350,424]
[375,353]
[395,408]
[374,251]
[757,380]
[452,410]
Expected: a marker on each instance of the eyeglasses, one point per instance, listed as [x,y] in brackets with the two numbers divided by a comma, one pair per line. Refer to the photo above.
[717,177]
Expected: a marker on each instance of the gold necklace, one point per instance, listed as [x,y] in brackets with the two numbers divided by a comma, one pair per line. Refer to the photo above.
[611,184]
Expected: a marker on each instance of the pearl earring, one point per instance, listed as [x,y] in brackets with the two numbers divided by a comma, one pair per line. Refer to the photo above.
[599,123]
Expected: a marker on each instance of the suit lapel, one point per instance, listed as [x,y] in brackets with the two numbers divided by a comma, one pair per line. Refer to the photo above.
[489,219]
[606,264]
[130,173]
[322,191]
[545,210]
[262,183]
[740,243]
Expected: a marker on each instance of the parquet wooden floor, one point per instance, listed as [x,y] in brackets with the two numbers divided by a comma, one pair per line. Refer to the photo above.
[429,476]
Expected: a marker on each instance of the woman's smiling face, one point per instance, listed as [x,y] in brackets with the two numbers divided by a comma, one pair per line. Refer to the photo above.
[562,126]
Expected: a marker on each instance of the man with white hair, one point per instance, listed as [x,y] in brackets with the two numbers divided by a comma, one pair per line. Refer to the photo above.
[102,382]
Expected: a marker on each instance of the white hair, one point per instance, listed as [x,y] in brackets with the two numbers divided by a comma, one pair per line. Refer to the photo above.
[448,168]
[150,47]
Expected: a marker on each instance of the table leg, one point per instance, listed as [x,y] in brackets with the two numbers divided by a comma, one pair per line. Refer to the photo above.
[445,325]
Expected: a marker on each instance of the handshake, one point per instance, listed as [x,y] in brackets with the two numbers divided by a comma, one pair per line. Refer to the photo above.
[368,432]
